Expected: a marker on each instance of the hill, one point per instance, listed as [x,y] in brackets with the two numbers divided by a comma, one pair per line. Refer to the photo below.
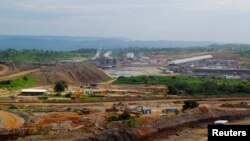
[66,43]
[74,73]
[49,73]
[13,55]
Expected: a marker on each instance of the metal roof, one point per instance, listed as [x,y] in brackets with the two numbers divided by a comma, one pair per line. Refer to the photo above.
[187,60]
[34,90]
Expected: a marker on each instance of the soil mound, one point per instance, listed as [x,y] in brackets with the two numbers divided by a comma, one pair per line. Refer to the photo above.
[70,72]
[49,73]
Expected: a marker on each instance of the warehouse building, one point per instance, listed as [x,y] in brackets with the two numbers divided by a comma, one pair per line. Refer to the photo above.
[186,65]
[33,92]
[190,60]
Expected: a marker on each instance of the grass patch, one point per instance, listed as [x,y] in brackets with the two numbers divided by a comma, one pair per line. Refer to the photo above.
[9,107]
[89,98]
[55,95]
[19,82]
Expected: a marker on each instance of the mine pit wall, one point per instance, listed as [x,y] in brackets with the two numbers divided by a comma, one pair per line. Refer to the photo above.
[164,131]
[155,132]
[11,134]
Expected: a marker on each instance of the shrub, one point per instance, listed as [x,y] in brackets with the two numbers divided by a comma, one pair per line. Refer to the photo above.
[58,94]
[177,112]
[12,107]
[25,78]
[124,116]
[68,95]
[112,118]
[5,82]
[190,104]
[43,97]
[130,123]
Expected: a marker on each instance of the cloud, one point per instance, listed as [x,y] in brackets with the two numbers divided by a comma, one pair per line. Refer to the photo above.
[112,7]
[138,19]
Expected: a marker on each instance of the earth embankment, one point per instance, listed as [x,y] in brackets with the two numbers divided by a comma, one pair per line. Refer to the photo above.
[163,127]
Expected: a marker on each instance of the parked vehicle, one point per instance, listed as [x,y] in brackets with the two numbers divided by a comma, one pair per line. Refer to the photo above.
[221,122]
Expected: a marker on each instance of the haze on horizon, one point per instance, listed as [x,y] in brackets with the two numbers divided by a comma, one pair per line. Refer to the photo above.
[190,20]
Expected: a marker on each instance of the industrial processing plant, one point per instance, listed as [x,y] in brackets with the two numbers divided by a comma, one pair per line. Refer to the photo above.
[209,65]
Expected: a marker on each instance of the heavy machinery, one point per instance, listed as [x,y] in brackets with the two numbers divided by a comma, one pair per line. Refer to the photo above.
[136,109]
[117,107]
[83,111]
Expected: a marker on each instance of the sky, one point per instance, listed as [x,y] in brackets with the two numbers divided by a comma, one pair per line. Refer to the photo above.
[189,20]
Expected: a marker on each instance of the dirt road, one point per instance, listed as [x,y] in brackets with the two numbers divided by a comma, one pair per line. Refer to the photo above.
[201,134]
[18,74]
[126,101]
[9,120]
[3,69]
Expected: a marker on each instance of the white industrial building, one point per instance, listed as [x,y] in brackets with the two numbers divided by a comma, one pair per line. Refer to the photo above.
[33,92]
[186,65]
[189,60]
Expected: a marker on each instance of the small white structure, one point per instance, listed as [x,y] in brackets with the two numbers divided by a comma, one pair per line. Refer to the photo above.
[33,92]
[169,72]
[130,55]
[221,122]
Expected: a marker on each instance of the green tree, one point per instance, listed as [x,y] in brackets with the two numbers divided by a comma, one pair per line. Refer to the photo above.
[190,104]
[210,87]
[172,89]
[25,78]
[60,86]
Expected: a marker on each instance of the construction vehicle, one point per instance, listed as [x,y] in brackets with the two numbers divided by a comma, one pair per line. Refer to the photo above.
[136,109]
[117,107]
[83,111]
